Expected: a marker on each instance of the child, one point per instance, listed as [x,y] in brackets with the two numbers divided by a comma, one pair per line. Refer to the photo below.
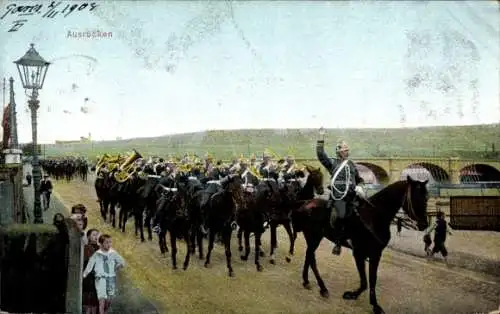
[428,243]
[104,262]
[441,229]
[90,301]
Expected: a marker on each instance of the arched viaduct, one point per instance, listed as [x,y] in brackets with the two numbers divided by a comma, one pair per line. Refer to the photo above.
[443,170]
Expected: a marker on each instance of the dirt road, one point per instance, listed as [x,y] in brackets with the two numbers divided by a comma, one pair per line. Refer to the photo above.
[407,284]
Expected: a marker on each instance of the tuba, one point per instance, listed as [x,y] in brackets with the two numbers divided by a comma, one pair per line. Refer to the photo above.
[127,169]
[101,162]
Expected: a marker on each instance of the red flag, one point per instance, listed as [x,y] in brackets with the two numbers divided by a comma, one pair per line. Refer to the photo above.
[6,126]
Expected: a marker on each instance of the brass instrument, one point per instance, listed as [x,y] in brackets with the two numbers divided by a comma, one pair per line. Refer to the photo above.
[101,162]
[127,169]
[253,170]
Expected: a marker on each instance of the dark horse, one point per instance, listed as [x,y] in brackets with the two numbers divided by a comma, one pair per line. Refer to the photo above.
[295,192]
[369,228]
[254,212]
[221,216]
[173,216]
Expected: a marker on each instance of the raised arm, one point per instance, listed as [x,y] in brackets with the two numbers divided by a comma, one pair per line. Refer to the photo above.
[322,156]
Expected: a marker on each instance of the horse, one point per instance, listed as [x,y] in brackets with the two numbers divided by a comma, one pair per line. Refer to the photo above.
[369,227]
[220,217]
[254,212]
[174,218]
[295,192]
[102,187]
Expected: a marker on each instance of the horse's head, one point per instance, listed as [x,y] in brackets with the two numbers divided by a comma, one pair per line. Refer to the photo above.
[314,177]
[415,202]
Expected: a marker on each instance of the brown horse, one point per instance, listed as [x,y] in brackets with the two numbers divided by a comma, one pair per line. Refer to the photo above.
[369,227]
[295,192]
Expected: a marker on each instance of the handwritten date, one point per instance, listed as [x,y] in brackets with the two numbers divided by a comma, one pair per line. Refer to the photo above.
[53,9]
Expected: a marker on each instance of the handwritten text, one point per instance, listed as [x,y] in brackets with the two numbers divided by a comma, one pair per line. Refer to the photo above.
[52,10]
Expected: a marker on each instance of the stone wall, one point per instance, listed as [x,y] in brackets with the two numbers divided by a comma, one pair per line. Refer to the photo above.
[41,268]
[12,208]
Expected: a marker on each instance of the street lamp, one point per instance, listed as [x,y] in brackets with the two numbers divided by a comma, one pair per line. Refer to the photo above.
[32,69]
[322,133]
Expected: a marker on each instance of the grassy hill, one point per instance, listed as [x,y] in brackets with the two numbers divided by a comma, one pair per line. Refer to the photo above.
[476,141]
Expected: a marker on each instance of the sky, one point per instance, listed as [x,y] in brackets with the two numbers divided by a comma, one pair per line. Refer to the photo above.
[174,67]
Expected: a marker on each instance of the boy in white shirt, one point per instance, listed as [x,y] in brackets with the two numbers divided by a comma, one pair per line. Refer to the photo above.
[105,262]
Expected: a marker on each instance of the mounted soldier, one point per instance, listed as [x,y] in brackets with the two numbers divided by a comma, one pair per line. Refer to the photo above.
[343,188]
[288,169]
[265,165]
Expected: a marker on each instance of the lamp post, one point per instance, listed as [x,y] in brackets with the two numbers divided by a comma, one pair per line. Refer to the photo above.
[322,133]
[32,70]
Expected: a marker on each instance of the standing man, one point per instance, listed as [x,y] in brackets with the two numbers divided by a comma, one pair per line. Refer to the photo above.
[46,191]
[344,188]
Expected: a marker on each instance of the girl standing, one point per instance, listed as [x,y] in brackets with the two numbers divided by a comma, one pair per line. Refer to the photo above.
[90,302]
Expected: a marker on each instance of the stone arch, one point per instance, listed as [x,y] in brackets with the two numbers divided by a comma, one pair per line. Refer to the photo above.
[479,172]
[426,171]
[380,174]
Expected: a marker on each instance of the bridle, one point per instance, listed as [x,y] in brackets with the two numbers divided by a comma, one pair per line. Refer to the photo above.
[409,204]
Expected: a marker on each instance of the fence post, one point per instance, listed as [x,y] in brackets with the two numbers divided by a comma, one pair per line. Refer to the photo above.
[75,269]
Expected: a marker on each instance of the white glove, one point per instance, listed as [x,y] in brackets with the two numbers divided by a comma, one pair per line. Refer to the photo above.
[360,191]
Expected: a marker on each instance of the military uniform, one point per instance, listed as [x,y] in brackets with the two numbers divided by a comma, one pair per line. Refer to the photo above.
[288,170]
[345,178]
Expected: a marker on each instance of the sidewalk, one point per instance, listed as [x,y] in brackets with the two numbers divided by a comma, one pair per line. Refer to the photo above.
[129,299]
[474,250]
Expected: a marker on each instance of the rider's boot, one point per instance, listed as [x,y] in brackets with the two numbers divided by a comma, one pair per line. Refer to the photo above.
[339,236]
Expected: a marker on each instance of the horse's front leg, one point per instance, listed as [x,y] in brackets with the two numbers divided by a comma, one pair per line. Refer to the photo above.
[246,236]
[240,241]
[139,220]
[311,251]
[226,237]
[211,241]
[186,235]
[199,239]
[149,216]
[274,241]
[373,269]
[192,239]
[162,241]
[123,218]
[292,237]
[112,214]
[360,265]
[173,245]
[258,236]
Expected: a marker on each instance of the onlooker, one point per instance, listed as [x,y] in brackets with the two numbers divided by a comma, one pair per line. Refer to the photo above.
[46,191]
[428,243]
[441,228]
[90,301]
[81,210]
[105,262]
